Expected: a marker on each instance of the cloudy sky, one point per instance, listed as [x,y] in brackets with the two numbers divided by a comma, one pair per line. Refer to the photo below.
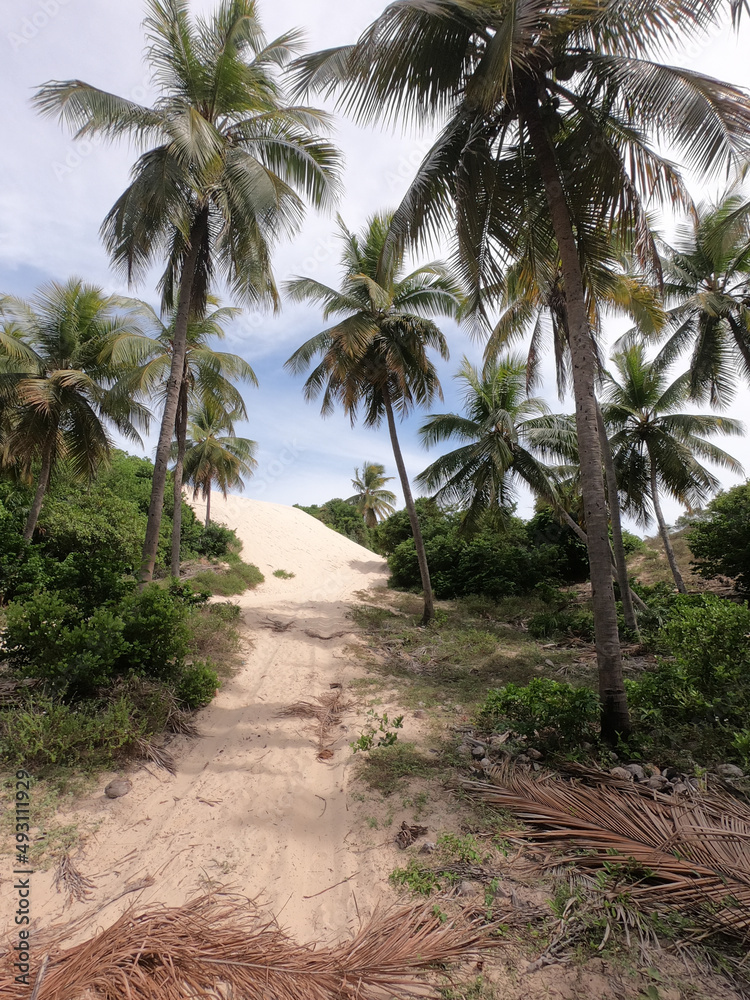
[55,194]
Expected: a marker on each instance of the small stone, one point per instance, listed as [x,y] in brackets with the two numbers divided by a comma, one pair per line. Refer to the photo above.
[620,772]
[651,770]
[637,771]
[613,755]
[534,754]
[465,889]
[485,762]
[429,847]
[657,782]
[680,788]
[523,758]
[464,750]
[458,709]
[478,752]
[419,714]
[117,788]
[729,771]
[670,773]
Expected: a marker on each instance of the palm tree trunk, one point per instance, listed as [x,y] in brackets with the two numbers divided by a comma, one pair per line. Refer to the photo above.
[181,435]
[614,517]
[424,571]
[41,489]
[179,348]
[664,533]
[615,717]
[208,503]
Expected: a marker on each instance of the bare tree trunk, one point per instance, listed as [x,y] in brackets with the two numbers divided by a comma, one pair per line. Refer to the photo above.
[41,489]
[163,448]
[208,503]
[181,435]
[664,533]
[615,717]
[614,516]
[424,572]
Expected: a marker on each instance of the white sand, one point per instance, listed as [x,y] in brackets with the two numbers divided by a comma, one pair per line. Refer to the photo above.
[250,805]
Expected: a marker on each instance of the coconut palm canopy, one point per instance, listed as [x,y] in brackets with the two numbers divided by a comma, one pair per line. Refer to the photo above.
[372,501]
[58,396]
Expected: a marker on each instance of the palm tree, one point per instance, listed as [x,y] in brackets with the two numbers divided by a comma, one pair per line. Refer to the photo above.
[206,372]
[375,356]
[56,394]
[707,283]
[371,500]
[532,300]
[501,428]
[656,447]
[220,181]
[214,456]
[544,103]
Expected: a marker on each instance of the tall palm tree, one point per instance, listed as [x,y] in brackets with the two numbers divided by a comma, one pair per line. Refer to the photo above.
[206,372]
[707,285]
[545,103]
[371,500]
[501,428]
[226,159]
[657,447]
[56,394]
[214,455]
[375,356]
[532,301]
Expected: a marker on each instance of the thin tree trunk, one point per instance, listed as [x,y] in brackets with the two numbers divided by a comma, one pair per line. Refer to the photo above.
[179,348]
[614,516]
[424,572]
[665,534]
[208,503]
[181,435]
[615,718]
[41,490]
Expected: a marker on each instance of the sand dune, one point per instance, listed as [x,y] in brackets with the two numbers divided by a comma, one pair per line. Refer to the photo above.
[250,805]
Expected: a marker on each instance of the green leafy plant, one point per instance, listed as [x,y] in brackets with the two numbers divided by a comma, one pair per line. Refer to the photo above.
[282,574]
[197,685]
[378,733]
[553,710]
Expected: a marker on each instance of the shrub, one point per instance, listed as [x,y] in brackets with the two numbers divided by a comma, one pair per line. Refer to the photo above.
[710,640]
[156,632]
[45,735]
[720,541]
[551,709]
[342,517]
[47,639]
[197,685]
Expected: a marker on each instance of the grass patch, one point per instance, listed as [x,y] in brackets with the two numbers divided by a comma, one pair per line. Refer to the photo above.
[215,636]
[282,574]
[236,579]
[386,769]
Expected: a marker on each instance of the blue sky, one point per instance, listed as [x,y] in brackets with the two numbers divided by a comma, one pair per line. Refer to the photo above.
[55,194]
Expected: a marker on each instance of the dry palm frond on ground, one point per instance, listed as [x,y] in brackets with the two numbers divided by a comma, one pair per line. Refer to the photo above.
[693,856]
[69,880]
[326,710]
[215,947]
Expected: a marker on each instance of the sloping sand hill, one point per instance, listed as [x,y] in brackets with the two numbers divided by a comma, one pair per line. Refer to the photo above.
[250,805]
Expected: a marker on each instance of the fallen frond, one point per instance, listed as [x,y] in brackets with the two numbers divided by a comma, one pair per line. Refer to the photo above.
[69,880]
[326,710]
[277,625]
[157,755]
[690,855]
[214,948]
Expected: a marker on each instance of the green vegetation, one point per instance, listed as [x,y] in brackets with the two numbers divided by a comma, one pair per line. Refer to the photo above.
[282,574]
[101,654]
[719,538]
[342,517]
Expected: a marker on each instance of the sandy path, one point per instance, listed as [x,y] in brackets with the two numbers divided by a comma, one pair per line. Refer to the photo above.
[250,805]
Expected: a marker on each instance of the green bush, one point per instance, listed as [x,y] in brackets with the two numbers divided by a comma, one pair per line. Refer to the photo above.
[720,541]
[499,560]
[342,517]
[47,639]
[554,711]
[46,735]
[156,632]
[197,685]
[710,640]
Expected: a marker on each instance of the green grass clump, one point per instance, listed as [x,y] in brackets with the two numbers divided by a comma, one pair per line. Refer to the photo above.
[416,878]
[282,574]
[240,576]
